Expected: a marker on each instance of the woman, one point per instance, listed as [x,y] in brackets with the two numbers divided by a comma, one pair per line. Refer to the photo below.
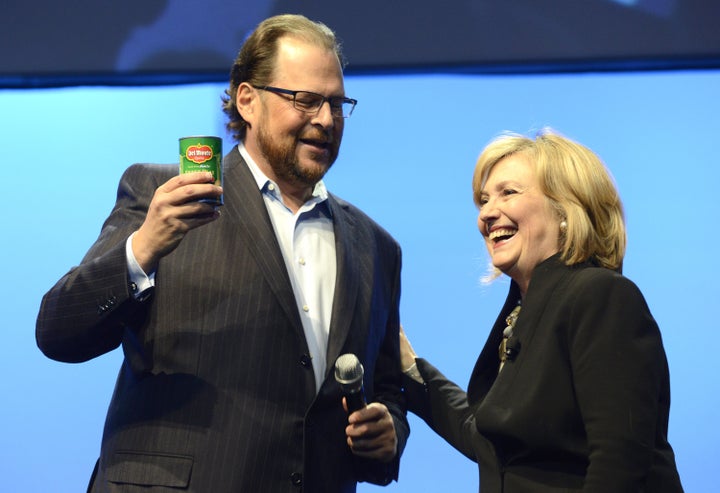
[571,391]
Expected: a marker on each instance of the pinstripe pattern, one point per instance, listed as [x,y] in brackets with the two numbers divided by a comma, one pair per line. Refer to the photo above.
[214,393]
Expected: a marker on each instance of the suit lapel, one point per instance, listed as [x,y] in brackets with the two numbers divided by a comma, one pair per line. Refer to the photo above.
[349,266]
[248,216]
[246,212]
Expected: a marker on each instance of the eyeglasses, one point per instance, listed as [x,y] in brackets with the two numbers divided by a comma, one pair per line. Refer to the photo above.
[311,102]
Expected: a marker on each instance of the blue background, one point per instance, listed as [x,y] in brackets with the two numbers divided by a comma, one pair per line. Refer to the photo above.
[407,160]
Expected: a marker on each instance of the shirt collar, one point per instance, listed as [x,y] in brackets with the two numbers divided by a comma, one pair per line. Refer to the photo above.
[319,194]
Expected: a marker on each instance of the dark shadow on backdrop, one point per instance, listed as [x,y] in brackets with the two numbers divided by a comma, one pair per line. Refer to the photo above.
[48,43]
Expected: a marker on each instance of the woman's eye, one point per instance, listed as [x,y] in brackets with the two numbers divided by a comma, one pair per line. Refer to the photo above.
[509,191]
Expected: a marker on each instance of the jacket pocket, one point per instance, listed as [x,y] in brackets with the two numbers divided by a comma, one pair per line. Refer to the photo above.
[140,468]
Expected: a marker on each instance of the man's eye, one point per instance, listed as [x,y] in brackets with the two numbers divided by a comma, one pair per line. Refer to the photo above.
[305,102]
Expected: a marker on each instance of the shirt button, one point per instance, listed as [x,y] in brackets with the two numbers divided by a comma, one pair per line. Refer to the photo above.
[271,187]
[306,308]
[301,261]
[296,479]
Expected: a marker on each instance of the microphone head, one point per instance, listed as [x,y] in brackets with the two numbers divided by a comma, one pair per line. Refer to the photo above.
[348,370]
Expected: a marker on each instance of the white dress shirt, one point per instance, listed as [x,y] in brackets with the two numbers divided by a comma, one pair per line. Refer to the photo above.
[307,241]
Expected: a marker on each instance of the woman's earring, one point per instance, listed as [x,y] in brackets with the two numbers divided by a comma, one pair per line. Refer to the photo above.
[563,225]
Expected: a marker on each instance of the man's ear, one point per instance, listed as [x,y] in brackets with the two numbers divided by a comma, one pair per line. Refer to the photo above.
[246,101]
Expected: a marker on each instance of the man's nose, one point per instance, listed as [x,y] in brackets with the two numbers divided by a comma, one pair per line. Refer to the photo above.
[324,115]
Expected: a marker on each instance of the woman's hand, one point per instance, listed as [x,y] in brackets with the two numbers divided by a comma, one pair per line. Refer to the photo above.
[407,354]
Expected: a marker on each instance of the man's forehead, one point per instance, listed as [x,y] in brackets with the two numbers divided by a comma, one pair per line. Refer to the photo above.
[303,61]
[291,48]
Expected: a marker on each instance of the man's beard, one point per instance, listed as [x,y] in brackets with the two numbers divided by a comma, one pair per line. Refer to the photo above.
[283,160]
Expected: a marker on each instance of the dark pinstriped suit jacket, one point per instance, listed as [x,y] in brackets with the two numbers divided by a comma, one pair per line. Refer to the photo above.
[216,392]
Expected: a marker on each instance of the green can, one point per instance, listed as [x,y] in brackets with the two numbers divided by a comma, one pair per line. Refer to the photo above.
[202,153]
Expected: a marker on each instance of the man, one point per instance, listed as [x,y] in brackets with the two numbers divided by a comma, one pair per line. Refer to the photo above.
[230,321]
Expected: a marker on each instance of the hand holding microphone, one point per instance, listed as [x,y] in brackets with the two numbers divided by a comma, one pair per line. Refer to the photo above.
[370,433]
[349,374]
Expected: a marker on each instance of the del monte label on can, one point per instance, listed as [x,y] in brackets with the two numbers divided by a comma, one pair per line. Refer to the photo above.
[199,154]
[202,153]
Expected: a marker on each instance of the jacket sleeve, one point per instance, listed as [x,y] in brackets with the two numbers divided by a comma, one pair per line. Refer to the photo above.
[85,313]
[387,387]
[620,376]
[444,406]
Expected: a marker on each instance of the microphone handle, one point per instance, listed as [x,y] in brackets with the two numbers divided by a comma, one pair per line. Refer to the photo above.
[355,400]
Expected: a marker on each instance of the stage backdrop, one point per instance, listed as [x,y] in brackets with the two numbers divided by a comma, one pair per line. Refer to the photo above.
[46,42]
[407,160]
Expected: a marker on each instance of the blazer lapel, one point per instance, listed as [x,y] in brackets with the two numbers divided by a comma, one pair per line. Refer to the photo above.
[349,266]
[246,210]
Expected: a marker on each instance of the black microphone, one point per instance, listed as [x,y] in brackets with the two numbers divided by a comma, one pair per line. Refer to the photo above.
[349,374]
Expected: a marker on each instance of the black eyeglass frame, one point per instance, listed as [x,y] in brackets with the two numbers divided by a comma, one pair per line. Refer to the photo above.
[336,103]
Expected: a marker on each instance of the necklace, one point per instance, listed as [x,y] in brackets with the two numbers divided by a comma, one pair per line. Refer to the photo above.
[504,351]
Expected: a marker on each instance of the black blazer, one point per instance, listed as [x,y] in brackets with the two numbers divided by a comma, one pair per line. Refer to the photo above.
[216,391]
[583,407]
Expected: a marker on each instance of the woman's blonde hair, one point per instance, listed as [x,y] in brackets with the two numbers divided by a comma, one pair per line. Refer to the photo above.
[579,187]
